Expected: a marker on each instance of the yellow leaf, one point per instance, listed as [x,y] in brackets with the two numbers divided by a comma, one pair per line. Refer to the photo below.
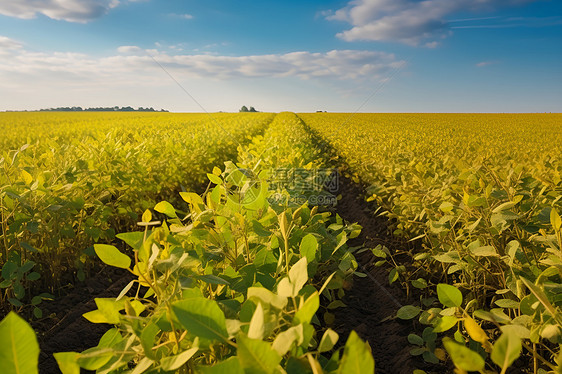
[27,178]
[147,216]
[476,332]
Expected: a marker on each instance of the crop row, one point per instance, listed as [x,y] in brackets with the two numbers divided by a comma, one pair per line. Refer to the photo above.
[481,195]
[79,179]
[230,283]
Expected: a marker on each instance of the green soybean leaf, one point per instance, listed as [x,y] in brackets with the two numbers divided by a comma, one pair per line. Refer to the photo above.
[229,366]
[308,309]
[408,312]
[201,317]
[142,366]
[112,256]
[67,362]
[328,341]
[356,357]
[20,351]
[463,358]
[256,356]
[506,349]
[308,247]
[555,220]
[299,275]
[257,324]
[166,208]
[260,230]
[449,295]
[267,297]
[215,179]
[285,339]
[172,363]
[94,358]
[445,323]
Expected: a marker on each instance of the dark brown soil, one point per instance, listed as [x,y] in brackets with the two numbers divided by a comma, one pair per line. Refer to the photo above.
[65,330]
[372,302]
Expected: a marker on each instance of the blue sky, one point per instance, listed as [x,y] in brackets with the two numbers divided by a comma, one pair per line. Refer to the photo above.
[405,55]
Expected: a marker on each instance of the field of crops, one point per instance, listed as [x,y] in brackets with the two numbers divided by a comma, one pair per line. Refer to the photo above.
[231,271]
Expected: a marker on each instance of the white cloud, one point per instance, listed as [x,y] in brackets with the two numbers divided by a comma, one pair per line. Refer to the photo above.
[129,49]
[68,10]
[132,61]
[131,77]
[9,44]
[182,16]
[411,22]
[485,63]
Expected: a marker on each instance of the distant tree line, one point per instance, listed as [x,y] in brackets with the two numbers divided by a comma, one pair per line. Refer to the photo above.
[245,109]
[101,109]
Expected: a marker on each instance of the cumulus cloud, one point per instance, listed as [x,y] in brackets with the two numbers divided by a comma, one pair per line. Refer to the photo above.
[9,44]
[135,64]
[68,10]
[411,22]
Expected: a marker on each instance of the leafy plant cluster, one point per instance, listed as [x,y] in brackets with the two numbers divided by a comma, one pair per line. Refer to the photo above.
[232,284]
[482,195]
[81,178]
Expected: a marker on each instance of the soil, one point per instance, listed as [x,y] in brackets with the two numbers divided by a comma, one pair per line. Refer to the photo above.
[65,330]
[372,303]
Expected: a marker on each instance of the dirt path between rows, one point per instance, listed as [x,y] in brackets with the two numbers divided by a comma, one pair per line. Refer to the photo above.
[66,330]
[372,300]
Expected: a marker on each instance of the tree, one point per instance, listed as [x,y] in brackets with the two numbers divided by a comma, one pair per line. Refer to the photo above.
[243,109]
[252,109]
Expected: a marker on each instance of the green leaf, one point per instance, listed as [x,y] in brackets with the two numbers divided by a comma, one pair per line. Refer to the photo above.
[555,220]
[257,325]
[142,366]
[212,279]
[415,339]
[285,339]
[172,363]
[507,303]
[166,208]
[201,317]
[504,206]
[506,349]
[463,358]
[328,341]
[112,256]
[256,356]
[147,216]
[449,295]
[357,358]
[445,323]
[308,247]
[260,230]
[308,309]
[267,297]
[299,275]
[147,338]
[213,178]
[20,351]
[94,358]
[229,366]
[408,312]
[68,362]
[486,251]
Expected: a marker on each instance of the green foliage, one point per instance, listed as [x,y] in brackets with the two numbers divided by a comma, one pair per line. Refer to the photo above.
[215,295]
[20,349]
[481,197]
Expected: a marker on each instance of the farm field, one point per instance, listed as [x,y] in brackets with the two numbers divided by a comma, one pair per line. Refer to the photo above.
[228,270]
